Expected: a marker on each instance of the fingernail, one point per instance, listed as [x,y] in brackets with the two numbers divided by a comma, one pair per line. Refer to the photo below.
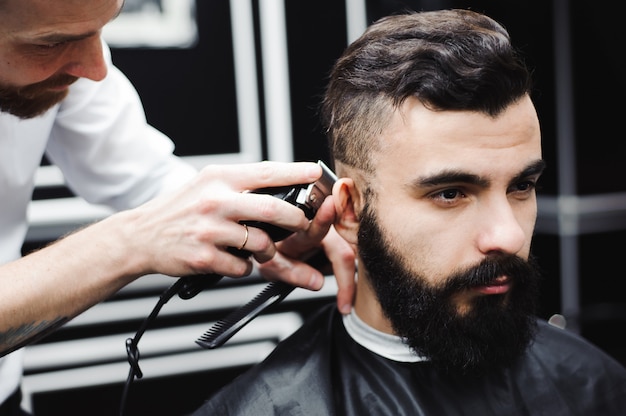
[345,309]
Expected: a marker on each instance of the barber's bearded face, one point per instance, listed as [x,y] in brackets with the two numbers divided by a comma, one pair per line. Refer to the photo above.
[35,99]
[493,333]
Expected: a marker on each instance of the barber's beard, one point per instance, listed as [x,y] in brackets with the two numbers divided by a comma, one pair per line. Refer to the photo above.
[33,100]
[492,334]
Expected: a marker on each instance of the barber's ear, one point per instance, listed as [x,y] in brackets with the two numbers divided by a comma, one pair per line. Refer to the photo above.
[347,202]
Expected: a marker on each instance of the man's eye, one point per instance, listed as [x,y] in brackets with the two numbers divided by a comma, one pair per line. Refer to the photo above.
[525,186]
[448,195]
[50,45]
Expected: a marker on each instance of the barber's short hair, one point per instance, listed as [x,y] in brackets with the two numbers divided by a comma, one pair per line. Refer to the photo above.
[447,59]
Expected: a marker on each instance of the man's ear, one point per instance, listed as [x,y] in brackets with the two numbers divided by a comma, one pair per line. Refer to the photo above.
[347,202]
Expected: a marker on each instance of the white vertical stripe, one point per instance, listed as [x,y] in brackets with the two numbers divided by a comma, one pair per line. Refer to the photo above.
[276,80]
[246,80]
[356,19]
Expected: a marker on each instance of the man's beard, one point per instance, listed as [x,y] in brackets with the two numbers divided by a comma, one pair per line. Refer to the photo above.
[35,99]
[492,334]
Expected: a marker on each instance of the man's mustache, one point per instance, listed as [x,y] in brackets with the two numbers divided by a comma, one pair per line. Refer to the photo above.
[488,270]
[33,90]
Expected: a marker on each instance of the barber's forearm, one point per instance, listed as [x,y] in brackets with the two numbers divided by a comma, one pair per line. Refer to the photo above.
[45,289]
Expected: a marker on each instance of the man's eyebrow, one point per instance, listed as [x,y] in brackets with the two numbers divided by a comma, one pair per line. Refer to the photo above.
[535,168]
[448,177]
[63,37]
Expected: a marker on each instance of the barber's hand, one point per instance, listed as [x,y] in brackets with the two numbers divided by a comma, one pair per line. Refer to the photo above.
[289,264]
[189,231]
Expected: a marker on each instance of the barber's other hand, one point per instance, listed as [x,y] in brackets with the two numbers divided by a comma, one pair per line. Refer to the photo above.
[289,263]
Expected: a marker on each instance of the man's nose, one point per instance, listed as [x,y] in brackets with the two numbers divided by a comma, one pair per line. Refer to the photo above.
[86,60]
[500,229]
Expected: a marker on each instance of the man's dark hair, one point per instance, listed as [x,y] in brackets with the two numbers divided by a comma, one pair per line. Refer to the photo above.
[447,59]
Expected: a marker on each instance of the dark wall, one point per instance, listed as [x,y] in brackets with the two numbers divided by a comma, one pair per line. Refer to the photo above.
[189,94]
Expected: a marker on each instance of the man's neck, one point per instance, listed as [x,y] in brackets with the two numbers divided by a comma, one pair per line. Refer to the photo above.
[368,308]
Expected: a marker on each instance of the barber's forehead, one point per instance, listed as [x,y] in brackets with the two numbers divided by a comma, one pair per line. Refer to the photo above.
[37,17]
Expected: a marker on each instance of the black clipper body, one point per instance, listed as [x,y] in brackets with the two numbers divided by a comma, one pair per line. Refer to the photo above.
[307,197]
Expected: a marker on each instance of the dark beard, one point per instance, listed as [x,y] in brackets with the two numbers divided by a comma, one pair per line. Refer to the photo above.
[35,99]
[493,334]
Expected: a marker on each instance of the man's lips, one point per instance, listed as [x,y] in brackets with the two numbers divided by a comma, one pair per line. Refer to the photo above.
[500,285]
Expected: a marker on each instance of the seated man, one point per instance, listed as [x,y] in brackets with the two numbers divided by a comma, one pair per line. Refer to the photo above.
[437,146]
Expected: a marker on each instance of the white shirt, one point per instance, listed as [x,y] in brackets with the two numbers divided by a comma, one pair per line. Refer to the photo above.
[386,345]
[99,138]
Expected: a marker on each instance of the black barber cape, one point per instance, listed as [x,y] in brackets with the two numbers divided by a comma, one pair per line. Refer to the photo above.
[321,370]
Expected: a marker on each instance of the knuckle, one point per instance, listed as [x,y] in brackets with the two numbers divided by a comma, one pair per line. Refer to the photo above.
[347,254]
[203,262]
[241,269]
[210,171]
[265,244]
[267,172]
[267,208]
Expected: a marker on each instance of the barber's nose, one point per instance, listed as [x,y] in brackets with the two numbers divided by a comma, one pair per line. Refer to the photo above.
[87,60]
[500,230]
